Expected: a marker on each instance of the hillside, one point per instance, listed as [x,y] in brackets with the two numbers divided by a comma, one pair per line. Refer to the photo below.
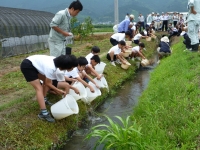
[102,10]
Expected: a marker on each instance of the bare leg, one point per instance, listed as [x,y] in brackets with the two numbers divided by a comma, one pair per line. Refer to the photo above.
[39,93]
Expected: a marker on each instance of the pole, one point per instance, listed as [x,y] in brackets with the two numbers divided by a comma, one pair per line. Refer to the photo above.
[116,12]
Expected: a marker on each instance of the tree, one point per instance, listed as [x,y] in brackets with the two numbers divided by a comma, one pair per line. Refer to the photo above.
[82,30]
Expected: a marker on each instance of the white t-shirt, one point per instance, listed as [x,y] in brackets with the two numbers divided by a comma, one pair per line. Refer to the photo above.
[136,49]
[141,19]
[73,73]
[115,28]
[137,36]
[118,36]
[45,65]
[133,28]
[60,75]
[116,50]
[88,57]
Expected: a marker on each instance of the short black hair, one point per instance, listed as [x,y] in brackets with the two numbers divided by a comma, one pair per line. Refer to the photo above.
[141,45]
[96,58]
[66,61]
[82,61]
[128,33]
[142,33]
[76,5]
[95,49]
[123,43]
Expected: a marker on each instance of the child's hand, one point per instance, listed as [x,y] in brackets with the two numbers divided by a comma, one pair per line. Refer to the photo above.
[124,62]
[91,89]
[98,77]
[76,91]
[96,85]
[61,92]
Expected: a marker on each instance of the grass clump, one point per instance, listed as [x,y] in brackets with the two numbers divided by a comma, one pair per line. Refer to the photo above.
[168,110]
[118,136]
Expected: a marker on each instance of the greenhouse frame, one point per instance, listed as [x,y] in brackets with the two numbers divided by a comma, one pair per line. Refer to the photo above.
[23,31]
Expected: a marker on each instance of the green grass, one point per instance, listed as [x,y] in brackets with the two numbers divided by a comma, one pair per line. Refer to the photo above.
[102,30]
[168,110]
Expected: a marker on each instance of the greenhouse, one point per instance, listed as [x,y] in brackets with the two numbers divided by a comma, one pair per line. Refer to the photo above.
[23,31]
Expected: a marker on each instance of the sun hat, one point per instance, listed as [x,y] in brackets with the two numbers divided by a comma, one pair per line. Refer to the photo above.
[165,39]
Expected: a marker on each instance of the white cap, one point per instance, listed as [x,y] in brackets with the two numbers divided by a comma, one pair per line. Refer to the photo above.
[158,14]
[165,39]
[152,13]
[131,16]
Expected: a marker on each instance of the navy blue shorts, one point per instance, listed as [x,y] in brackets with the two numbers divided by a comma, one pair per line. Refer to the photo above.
[29,71]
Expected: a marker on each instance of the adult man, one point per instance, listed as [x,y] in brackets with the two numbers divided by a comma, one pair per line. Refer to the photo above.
[123,26]
[141,20]
[60,28]
[165,22]
[157,22]
[193,22]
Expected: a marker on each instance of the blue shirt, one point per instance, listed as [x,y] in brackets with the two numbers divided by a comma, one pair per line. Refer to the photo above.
[123,26]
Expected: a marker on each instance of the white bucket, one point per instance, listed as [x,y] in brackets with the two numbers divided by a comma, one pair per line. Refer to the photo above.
[91,96]
[65,107]
[102,83]
[82,91]
[99,68]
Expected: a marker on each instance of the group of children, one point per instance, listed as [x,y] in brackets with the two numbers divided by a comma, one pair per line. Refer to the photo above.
[58,74]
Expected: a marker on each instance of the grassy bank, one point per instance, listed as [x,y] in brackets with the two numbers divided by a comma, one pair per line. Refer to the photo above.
[19,126]
[168,110]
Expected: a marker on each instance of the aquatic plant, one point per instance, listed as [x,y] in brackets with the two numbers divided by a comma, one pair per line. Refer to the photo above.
[118,136]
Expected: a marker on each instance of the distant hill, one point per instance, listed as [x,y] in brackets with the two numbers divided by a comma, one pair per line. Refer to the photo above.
[102,10]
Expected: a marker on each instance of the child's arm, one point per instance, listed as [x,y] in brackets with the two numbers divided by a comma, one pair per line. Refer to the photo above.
[48,82]
[85,84]
[75,89]
[93,72]
[87,76]
[141,55]
[121,58]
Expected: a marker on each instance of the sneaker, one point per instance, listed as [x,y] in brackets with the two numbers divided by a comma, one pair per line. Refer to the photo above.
[46,117]
[47,102]
[118,61]
[113,63]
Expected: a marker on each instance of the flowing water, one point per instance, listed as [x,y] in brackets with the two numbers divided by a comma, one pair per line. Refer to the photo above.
[120,105]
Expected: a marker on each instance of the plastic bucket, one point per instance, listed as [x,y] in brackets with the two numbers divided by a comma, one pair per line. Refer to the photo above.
[125,66]
[82,91]
[99,68]
[65,107]
[126,54]
[128,43]
[91,96]
[148,39]
[145,62]
[102,83]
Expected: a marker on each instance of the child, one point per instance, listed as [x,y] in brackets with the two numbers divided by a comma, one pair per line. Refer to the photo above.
[114,54]
[61,84]
[115,38]
[164,48]
[90,68]
[42,67]
[79,74]
[138,36]
[137,51]
[95,51]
